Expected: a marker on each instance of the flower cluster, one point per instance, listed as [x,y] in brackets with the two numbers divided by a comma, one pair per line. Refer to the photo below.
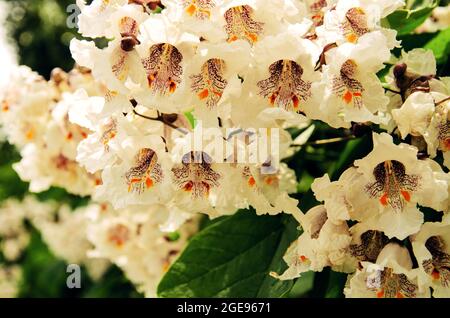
[94,236]
[382,193]
[34,116]
[232,65]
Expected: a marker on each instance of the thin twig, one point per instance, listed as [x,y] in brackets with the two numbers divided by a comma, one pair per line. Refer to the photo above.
[443,101]
[324,141]
[161,119]
[392,90]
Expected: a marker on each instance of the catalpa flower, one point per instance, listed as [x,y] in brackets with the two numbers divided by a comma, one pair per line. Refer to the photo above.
[432,251]
[323,243]
[352,19]
[334,195]
[213,78]
[199,17]
[391,276]
[284,81]
[140,177]
[165,51]
[106,134]
[133,241]
[353,93]
[43,170]
[119,62]
[366,244]
[252,20]
[94,21]
[393,181]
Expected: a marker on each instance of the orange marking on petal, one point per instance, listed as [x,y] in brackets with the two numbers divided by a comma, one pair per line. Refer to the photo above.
[69,136]
[150,79]
[269,180]
[295,101]
[352,38]
[232,39]
[380,294]
[29,134]
[133,181]
[252,37]
[84,135]
[303,258]
[172,87]
[217,93]
[406,195]
[207,186]
[357,94]
[188,186]
[348,96]
[436,275]
[399,295]
[203,94]
[251,181]
[98,182]
[149,183]
[384,199]
[272,99]
[191,9]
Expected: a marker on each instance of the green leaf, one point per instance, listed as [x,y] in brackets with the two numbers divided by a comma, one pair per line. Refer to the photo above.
[412,16]
[440,45]
[233,258]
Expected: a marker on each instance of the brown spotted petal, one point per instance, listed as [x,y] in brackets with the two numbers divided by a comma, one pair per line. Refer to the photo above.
[163,68]
[195,174]
[285,87]
[438,267]
[393,187]
[241,25]
[210,83]
[346,86]
[355,24]
[200,9]
[145,173]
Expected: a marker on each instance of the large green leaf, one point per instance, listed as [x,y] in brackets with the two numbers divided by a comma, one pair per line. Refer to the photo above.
[406,20]
[233,258]
[440,45]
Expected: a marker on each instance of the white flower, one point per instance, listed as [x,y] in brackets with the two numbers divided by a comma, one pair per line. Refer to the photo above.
[366,244]
[141,177]
[393,181]
[415,114]
[133,241]
[280,83]
[334,194]
[165,52]
[432,250]
[94,20]
[391,276]
[213,77]
[43,170]
[323,243]
[353,92]
[119,62]
[352,19]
